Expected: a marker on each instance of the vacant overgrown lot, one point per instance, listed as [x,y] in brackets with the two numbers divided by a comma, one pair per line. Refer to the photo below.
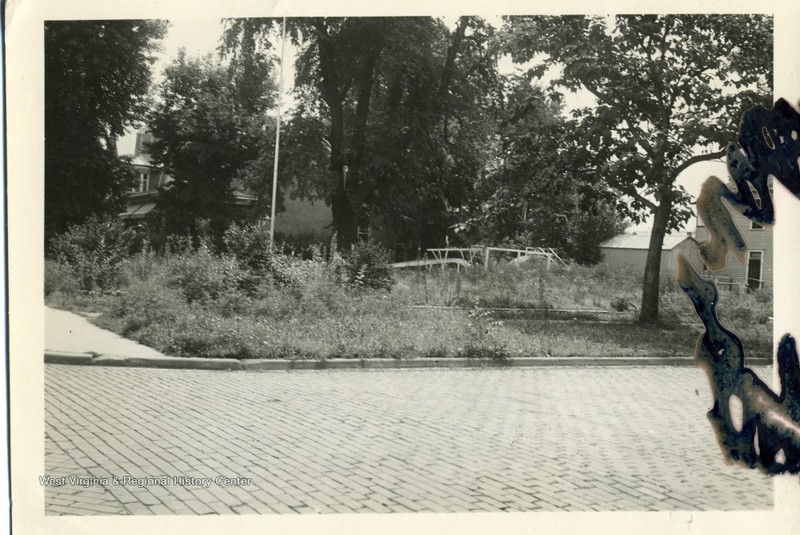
[240,302]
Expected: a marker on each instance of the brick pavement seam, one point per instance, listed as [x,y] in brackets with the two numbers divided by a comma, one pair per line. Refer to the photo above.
[195,363]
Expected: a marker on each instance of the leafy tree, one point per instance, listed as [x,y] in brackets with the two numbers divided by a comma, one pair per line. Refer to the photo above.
[533,194]
[95,250]
[434,120]
[381,123]
[97,74]
[669,93]
[209,129]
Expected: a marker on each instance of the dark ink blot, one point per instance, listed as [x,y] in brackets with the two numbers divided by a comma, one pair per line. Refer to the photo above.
[768,146]
[755,426]
[768,423]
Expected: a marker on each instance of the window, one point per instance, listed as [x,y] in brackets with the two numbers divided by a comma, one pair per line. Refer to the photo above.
[144,182]
[754,266]
[754,192]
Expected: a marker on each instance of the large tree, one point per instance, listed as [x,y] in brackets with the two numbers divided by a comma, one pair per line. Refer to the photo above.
[533,193]
[434,121]
[97,74]
[209,127]
[389,105]
[669,91]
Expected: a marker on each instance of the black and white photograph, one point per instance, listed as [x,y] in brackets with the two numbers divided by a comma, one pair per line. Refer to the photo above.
[434,272]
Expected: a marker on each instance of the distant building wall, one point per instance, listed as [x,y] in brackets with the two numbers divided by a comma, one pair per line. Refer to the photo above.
[630,253]
[759,251]
[635,258]
[305,217]
[623,258]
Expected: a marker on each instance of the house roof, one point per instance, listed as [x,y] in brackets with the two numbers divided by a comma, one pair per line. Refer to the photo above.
[142,159]
[138,211]
[641,241]
[243,197]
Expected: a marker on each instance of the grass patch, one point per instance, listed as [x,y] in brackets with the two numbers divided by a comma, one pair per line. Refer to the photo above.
[201,303]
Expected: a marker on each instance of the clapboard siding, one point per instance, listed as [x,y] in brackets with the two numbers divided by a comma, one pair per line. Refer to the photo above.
[756,240]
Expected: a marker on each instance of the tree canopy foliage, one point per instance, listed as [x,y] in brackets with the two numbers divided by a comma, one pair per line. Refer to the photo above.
[669,92]
[406,125]
[97,75]
[533,193]
[209,127]
[392,120]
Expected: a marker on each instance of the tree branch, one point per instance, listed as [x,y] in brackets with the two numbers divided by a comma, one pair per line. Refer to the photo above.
[452,52]
[623,112]
[629,190]
[697,159]
[447,71]
[345,88]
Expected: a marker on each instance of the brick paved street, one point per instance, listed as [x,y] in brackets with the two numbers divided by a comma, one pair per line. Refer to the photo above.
[459,440]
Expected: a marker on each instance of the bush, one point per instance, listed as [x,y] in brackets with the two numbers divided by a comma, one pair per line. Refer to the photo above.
[59,278]
[746,308]
[251,246]
[621,304]
[95,250]
[308,246]
[201,276]
[366,265]
[141,266]
[151,307]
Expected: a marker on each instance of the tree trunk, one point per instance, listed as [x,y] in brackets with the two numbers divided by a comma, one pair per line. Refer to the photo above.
[345,220]
[347,206]
[348,191]
[652,269]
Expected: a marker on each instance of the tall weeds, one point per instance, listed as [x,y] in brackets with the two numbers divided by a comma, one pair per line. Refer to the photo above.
[248,301]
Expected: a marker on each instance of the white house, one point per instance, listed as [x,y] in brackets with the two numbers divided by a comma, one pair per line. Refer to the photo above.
[142,199]
[630,251]
[757,271]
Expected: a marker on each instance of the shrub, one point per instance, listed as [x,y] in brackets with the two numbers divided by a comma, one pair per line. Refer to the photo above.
[150,308]
[95,250]
[59,278]
[288,272]
[179,245]
[621,304]
[747,308]
[366,265]
[251,246]
[308,246]
[201,276]
[140,266]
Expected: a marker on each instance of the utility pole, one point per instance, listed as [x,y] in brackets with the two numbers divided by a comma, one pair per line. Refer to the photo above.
[277,142]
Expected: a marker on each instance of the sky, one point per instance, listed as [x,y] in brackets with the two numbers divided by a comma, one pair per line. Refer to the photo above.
[198,36]
[202,36]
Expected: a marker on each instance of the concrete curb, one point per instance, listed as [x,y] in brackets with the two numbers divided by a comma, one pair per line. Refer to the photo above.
[95,359]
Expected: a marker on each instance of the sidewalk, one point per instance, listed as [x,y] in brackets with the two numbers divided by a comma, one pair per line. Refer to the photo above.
[70,333]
